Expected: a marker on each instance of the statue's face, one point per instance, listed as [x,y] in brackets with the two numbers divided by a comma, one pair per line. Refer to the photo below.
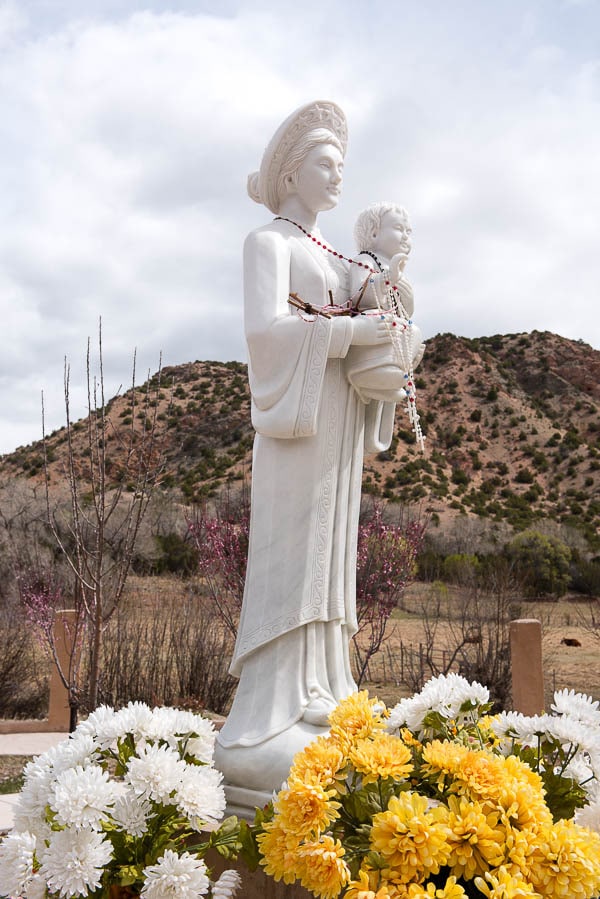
[318,180]
[394,235]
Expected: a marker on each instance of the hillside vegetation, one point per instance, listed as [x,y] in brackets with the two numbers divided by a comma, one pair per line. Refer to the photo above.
[512,425]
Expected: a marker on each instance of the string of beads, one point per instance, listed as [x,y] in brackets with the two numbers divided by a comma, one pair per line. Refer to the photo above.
[405,332]
[328,249]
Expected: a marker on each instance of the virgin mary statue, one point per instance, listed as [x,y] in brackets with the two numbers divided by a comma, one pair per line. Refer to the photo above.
[299,609]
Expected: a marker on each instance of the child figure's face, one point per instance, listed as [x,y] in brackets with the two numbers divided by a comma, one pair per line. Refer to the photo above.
[394,235]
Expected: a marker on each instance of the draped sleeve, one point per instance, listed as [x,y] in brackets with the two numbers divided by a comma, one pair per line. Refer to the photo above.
[287,355]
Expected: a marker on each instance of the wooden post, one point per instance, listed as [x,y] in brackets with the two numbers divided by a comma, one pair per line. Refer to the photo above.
[59,712]
[526,666]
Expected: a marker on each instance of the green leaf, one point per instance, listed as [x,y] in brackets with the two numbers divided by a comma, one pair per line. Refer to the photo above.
[563,795]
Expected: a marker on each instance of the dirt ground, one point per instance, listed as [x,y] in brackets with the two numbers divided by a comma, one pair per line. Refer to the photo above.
[570,649]
[575,667]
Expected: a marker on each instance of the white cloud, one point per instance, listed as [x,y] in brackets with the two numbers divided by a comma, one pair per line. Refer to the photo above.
[127,137]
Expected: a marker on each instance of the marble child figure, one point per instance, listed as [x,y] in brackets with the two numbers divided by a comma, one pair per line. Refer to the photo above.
[298,614]
[382,235]
[383,238]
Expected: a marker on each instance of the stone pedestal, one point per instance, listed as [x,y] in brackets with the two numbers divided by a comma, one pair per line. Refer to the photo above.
[256,884]
[59,712]
[526,665]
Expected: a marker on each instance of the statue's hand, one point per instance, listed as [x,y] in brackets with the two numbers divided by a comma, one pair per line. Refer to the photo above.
[369,330]
[397,264]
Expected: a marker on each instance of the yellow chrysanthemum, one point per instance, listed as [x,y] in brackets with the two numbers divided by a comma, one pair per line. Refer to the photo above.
[325,873]
[501,884]
[519,846]
[506,784]
[381,756]
[476,839]
[409,738]
[566,861]
[411,837]
[450,890]
[279,852]
[304,810]
[521,793]
[480,775]
[485,726]
[358,716]
[442,759]
[368,886]
[319,762]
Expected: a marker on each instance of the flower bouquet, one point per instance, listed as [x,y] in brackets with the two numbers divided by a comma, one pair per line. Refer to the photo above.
[116,811]
[438,800]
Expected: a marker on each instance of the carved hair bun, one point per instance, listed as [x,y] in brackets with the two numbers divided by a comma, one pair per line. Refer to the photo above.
[253,187]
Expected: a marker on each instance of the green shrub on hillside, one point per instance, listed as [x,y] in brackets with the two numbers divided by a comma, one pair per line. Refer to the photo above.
[541,562]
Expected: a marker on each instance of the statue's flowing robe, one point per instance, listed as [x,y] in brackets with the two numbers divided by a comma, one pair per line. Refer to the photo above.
[299,609]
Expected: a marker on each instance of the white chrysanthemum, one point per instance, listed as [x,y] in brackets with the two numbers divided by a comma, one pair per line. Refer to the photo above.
[33,824]
[410,713]
[589,816]
[202,747]
[227,885]
[162,725]
[577,705]
[201,795]
[155,773]
[32,801]
[76,750]
[36,888]
[80,749]
[16,863]
[570,733]
[202,744]
[175,877]
[446,694]
[73,862]
[505,724]
[134,718]
[460,692]
[82,797]
[131,814]
[188,722]
[526,729]
[579,770]
[102,725]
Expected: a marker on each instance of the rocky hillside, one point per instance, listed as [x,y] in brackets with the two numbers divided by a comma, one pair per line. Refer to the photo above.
[512,425]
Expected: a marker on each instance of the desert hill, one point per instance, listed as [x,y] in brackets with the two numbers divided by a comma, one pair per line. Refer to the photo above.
[512,424]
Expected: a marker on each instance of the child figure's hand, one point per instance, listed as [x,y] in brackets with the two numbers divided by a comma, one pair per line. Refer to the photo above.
[397,264]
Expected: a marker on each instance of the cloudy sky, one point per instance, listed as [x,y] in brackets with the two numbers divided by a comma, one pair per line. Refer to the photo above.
[128,129]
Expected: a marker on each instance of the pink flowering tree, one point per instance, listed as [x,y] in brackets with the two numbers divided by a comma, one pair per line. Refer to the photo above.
[386,563]
[43,598]
[221,538]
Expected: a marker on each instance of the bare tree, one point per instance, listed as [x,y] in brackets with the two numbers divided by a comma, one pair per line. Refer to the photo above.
[469,634]
[96,530]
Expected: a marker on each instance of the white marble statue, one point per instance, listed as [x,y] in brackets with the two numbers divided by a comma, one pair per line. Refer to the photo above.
[298,615]
[382,235]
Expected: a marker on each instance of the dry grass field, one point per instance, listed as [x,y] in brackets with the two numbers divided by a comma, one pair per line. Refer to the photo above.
[574,664]
[566,665]
[571,651]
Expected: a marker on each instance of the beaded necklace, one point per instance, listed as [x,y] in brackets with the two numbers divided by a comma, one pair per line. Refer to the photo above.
[374,257]
[323,245]
[404,352]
